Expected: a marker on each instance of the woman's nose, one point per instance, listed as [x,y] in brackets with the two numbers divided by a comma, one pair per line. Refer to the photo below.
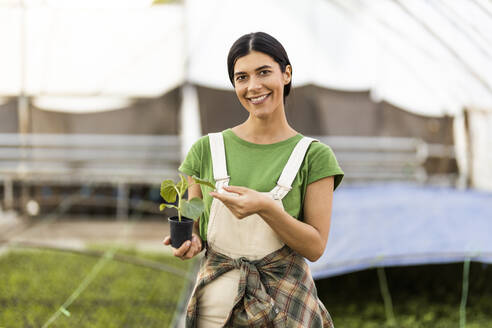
[254,84]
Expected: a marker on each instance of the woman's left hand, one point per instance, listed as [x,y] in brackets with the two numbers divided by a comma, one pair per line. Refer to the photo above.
[247,201]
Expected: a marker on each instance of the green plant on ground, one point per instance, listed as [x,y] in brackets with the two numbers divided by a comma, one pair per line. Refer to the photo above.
[426,296]
[35,283]
[192,208]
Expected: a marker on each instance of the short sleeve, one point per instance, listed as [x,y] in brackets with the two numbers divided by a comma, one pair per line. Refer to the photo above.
[192,162]
[323,163]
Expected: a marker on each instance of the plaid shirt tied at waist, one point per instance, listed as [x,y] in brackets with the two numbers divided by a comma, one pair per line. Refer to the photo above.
[275,291]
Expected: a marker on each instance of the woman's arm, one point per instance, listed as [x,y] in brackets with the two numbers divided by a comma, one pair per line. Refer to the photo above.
[307,238]
[188,250]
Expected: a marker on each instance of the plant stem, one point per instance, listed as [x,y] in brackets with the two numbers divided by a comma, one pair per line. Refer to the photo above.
[388,304]
[179,203]
[464,292]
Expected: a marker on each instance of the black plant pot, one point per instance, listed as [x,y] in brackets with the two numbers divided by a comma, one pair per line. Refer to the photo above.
[180,231]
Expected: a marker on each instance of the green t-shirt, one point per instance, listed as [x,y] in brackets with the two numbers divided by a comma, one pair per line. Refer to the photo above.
[259,167]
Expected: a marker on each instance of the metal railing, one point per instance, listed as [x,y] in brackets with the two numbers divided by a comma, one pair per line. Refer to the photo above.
[79,159]
[384,158]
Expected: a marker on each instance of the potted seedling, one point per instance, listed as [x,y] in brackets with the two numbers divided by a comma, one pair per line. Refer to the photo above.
[188,210]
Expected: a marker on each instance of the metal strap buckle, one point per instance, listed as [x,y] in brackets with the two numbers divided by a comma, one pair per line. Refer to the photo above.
[280,191]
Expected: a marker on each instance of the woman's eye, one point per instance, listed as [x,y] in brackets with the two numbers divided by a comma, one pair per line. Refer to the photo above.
[264,72]
[240,78]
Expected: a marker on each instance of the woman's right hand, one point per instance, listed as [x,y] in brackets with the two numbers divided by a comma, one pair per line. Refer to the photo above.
[188,249]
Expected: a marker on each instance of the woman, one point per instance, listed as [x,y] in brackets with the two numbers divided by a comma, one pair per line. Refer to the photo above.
[271,207]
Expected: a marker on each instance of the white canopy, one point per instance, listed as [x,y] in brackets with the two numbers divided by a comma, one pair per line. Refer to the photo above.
[429,57]
[91,52]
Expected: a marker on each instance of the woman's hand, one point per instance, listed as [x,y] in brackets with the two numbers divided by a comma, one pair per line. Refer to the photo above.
[247,201]
[188,249]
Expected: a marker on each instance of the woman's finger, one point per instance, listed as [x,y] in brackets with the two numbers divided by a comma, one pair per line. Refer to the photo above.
[197,242]
[236,189]
[167,240]
[193,250]
[223,198]
[216,195]
[181,251]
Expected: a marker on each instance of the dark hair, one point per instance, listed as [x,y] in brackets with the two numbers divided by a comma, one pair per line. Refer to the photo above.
[261,42]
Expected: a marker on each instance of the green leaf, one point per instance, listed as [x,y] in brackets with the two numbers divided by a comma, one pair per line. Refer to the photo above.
[203,182]
[167,191]
[182,185]
[193,208]
[163,206]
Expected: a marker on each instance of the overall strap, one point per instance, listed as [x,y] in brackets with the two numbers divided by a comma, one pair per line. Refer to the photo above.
[284,183]
[217,150]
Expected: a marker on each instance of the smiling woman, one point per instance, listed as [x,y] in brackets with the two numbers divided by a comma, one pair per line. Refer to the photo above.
[260,72]
[260,89]
[271,209]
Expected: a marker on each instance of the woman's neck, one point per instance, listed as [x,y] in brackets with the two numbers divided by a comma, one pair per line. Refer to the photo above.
[264,131]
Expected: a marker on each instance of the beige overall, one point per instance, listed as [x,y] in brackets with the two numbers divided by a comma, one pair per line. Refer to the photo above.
[250,237]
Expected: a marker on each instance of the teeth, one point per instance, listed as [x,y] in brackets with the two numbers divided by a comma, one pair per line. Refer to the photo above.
[258,99]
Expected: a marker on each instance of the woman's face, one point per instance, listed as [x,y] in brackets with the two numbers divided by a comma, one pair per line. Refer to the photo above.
[259,83]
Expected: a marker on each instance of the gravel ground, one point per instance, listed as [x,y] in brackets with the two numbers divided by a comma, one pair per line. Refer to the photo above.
[146,235]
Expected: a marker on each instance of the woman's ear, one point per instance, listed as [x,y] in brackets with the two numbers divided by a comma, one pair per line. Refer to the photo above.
[287,74]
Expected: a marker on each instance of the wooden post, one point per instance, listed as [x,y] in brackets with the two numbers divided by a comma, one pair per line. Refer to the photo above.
[422,154]
[122,202]
[23,100]
[25,194]
[8,194]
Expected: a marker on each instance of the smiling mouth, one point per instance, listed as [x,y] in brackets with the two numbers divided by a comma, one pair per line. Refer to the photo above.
[258,100]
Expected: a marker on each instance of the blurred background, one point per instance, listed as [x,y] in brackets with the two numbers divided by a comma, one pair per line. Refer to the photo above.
[101,100]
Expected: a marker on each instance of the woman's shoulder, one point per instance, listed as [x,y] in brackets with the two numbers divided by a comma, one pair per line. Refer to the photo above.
[320,148]
[322,162]
[201,142]
[203,139]
[320,154]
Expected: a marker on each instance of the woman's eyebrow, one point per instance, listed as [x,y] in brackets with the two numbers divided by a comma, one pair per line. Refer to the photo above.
[263,67]
[258,69]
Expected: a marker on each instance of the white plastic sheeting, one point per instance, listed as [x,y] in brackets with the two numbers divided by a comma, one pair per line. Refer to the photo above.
[480,148]
[82,105]
[66,52]
[323,50]
[429,57]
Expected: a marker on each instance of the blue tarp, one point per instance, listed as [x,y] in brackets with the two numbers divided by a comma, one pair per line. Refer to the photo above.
[399,224]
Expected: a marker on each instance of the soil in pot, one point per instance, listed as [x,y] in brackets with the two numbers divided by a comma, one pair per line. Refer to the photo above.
[180,231]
